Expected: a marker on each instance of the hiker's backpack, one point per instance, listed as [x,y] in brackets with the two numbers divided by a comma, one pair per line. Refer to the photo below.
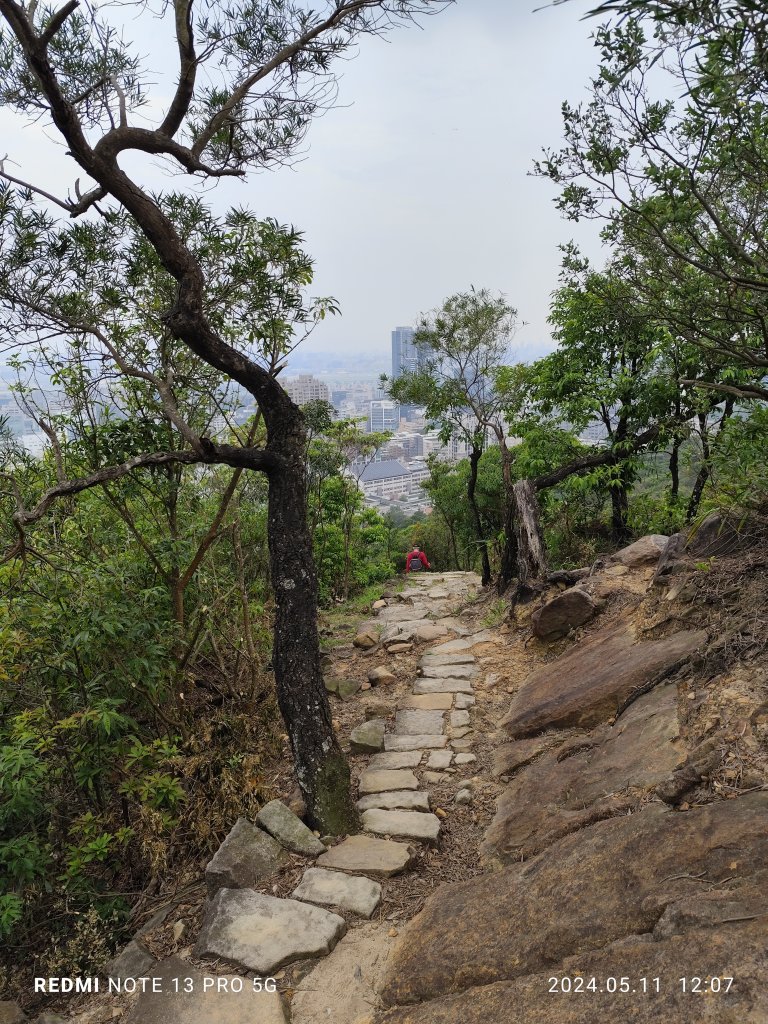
[415,564]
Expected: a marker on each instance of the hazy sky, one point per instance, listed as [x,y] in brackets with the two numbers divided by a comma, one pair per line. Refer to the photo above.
[419,185]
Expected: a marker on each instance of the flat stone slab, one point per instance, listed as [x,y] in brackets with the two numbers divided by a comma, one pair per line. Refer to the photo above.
[448,671]
[442,686]
[383,780]
[419,723]
[247,856]
[405,799]
[262,933]
[463,701]
[459,718]
[451,647]
[368,738]
[358,895]
[172,1005]
[379,857]
[439,759]
[288,830]
[407,824]
[395,759]
[420,742]
[403,613]
[447,659]
[427,702]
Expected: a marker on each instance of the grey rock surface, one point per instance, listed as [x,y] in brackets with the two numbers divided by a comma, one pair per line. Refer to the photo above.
[415,722]
[383,780]
[358,895]
[247,856]
[288,830]
[421,742]
[262,933]
[442,686]
[368,738]
[370,856]
[405,799]
[396,759]
[134,961]
[405,824]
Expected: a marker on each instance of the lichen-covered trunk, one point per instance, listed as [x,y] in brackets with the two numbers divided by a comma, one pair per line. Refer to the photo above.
[321,767]
[531,552]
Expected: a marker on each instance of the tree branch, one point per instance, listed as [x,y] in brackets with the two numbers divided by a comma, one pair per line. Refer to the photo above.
[605,458]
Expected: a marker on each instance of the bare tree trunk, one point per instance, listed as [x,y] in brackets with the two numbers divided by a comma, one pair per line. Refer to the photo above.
[474,459]
[674,469]
[321,767]
[531,553]
[509,555]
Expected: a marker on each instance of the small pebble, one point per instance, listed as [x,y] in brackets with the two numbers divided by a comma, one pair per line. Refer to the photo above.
[464,796]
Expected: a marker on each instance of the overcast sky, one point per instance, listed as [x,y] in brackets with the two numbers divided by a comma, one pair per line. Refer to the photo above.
[419,185]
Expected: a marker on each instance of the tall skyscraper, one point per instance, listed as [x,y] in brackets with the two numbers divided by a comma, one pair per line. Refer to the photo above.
[404,352]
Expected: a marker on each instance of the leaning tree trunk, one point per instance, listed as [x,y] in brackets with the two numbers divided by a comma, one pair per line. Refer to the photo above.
[474,459]
[509,554]
[321,767]
[531,552]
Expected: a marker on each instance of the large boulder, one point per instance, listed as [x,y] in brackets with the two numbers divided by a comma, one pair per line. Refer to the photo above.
[563,613]
[672,560]
[589,777]
[643,552]
[610,880]
[589,684]
[736,950]
[719,534]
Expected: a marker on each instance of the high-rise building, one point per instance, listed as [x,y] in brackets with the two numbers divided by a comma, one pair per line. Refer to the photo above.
[306,388]
[384,415]
[404,352]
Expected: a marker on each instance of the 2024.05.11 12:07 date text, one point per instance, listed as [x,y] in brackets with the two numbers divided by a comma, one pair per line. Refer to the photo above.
[578,984]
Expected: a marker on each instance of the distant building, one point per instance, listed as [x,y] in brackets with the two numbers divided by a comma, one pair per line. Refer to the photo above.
[306,388]
[386,479]
[404,352]
[383,415]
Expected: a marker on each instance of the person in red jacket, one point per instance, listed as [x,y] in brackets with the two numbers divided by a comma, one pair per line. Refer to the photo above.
[416,560]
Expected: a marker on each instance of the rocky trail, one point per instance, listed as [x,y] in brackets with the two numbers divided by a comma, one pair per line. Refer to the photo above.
[564,816]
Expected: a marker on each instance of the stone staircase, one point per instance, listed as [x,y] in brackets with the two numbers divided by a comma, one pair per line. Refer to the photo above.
[262,933]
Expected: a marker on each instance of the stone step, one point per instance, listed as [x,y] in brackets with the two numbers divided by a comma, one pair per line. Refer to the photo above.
[247,856]
[459,718]
[405,799]
[384,780]
[355,893]
[419,723]
[381,858]
[448,671]
[404,824]
[420,742]
[262,933]
[441,686]
[396,759]
[427,702]
[447,659]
